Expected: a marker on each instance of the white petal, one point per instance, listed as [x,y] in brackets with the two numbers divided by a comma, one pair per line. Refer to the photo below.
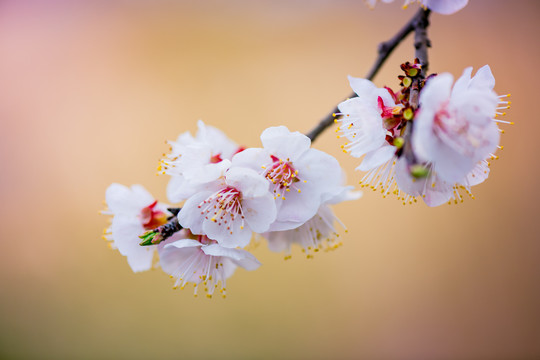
[366,132]
[363,88]
[462,84]
[242,258]
[450,165]
[123,200]
[207,173]
[319,167]
[178,189]
[483,78]
[445,7]
[140,258]
[126,231]
[229,267]
[253,158]
[259,212]
[190,216]
[218,141]
[125,234]
[282,143]
[232,234]
[436,91]
[377,157]
[478,175]
[279,226]
[248,181]
[184,243]
[297,208]
[386,97]
[172,258]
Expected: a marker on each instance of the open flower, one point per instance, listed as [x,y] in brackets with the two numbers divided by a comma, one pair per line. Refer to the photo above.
[134,211]
[371,124]
[367,119]
[230,208]
[318,233]
[445,7]
[433,190]
[299,176]
[199,260]
[455,129]
[193,160]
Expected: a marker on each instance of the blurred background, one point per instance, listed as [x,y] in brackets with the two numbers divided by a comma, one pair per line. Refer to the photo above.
[90,90]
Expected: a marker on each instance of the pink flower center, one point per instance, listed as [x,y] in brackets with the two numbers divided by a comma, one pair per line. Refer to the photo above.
[205,240]
[223,207]
[151,218]
[386,111]
[216,159]
[455,131]
[283,175]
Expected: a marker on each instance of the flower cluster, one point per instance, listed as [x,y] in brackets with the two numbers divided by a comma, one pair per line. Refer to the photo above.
[431,139]
[281,191]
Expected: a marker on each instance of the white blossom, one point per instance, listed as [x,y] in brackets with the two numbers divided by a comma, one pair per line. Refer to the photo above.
[229,208]
[134,211]
[194,160]
[299,176]
[199,260]
[455,129]
[316,234]
[362,119]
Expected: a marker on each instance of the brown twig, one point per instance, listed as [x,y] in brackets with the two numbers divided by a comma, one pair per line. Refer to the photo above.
[419,20]
[421,45]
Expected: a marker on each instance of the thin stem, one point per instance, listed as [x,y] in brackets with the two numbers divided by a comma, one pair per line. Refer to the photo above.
[385,49]
[421,44]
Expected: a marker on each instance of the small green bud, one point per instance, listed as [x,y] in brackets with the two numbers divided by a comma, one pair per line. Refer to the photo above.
[407,81]
[150,237]
[408,114]
[412,72]
[399,142]
[419,171]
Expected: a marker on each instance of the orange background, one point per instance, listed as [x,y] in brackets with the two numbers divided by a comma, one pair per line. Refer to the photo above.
[89,92]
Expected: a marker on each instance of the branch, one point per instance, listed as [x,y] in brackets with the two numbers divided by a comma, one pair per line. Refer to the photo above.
[421,44]
[385,49]
[163,232]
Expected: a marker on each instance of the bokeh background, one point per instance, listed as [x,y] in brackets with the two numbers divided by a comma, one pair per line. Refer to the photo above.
[89,92]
